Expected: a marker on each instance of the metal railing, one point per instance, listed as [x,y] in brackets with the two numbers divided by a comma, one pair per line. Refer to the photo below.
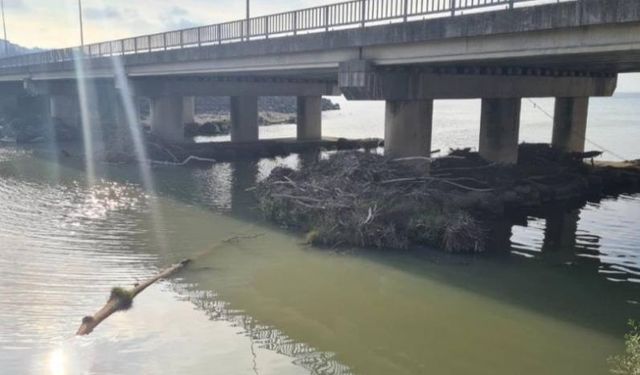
[355,13]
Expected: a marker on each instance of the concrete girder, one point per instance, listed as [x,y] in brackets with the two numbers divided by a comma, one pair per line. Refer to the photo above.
[360,80]
[233,87]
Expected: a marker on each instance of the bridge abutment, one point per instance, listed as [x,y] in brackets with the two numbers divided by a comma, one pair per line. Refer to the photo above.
[309,119]
[407,128]
[499,130]
[244,118]
[570,124]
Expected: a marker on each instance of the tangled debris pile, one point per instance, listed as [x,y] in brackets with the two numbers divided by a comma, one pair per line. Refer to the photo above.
[367,200]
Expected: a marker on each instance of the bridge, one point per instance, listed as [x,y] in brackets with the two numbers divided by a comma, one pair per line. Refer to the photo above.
[405,52]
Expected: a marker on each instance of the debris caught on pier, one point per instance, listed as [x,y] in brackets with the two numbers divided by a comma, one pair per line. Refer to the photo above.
[367,200]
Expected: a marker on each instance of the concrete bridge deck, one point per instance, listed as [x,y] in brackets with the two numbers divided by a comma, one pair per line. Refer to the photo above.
[406,52]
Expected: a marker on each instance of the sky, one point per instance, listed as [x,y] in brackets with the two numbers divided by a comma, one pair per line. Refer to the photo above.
[54,23]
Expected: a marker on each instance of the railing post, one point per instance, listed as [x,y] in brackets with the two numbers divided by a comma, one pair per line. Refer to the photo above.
[218,28]
[406,10]
[164,41]
[295,22]
[181,39]
[122,46]
[363,16]
[266,27]
[149,42]
[135,45]
[326,18]
[199,37]
[453,7]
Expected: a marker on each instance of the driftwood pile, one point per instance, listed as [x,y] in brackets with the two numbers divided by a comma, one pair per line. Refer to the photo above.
[367,200]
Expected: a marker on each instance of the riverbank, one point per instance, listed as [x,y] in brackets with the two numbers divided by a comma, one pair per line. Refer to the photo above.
[367,200]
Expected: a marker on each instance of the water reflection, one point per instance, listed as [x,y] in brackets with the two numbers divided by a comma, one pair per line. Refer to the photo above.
[264,336]
[599,236]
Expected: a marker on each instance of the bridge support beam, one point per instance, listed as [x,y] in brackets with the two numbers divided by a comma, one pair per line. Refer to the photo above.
[189,109]
[407,128]
[167,119]
[309,121]
[499,130]
[65,109]
[244,118]
[570,124]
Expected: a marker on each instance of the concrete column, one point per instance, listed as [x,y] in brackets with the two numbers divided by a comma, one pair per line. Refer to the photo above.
[120,137]
[499,130]
[244,118]
[166,119]
[407,128]
[309,121]
[65,109]
[189,109]
[570,124]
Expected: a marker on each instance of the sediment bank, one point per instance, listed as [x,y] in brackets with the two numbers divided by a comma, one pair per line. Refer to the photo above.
[367,200]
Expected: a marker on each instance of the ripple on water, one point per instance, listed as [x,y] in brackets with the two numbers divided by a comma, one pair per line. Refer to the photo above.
[55,240]
[603,235]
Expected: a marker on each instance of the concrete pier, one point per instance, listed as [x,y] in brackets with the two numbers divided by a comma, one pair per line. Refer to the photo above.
[167,119]
[188,110]
[309,120]
[65,109]
[244,118]
[499,130]
[570,124]
[407,128]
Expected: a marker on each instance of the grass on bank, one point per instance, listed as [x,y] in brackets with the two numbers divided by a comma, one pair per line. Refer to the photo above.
[629,362]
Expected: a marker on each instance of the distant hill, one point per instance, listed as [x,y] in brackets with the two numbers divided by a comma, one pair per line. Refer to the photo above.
[14,49]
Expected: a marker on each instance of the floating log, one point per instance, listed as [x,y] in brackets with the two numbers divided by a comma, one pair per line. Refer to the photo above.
[121,299]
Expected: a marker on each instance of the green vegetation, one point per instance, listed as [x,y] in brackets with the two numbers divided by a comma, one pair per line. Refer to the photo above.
[629,362]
